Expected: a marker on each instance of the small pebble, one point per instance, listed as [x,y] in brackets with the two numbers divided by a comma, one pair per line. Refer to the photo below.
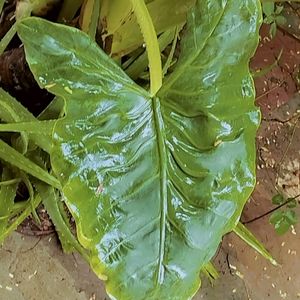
[30,276]
[239,274]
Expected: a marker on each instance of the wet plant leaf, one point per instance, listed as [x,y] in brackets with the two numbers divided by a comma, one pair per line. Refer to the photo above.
[154,183]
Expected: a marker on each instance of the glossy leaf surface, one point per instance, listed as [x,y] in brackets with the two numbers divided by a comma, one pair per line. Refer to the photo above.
[154,183]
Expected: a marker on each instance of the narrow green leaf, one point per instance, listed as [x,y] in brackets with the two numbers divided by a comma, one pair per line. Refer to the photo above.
[7,195]
[171,54]
[90,16]
[39,128]
[50,201]
[13,157]
[1,5]
[18,220]
[9,114]
[251,240]
[30,190]
[210,272]
[11,181]
[54,110]
[273,29]
[13,111]
[7,38]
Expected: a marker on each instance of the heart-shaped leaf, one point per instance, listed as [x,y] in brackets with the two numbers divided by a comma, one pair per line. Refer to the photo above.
[154,183]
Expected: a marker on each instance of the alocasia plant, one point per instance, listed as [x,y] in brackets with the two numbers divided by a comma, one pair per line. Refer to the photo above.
[153,183]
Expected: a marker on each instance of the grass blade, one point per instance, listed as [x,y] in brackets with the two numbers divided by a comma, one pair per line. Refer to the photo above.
[20,218]
[252,241]
[8,192]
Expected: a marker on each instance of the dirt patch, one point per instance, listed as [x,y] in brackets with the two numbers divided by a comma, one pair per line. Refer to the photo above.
[33,266]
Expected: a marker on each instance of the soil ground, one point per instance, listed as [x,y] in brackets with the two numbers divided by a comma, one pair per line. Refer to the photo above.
[33,268]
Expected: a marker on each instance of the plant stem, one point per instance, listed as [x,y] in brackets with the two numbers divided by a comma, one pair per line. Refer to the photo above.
[152,46]
[7,38]
[1,5]
[272,210]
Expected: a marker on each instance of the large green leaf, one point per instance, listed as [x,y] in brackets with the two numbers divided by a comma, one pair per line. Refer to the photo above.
[153,184]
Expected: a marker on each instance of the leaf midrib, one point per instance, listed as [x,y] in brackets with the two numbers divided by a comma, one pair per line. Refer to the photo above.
[159,128]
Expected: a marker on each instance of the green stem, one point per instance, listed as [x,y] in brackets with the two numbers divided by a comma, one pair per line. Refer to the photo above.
[152,46]
[30,190]
[7,38]
[9,182]
[1,5]
[140,64]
